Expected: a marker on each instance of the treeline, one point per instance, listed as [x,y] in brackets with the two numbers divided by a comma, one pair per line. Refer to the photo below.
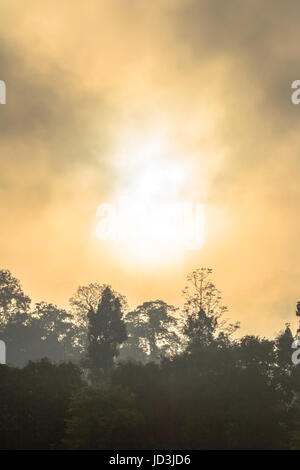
[102,377]
[98,327]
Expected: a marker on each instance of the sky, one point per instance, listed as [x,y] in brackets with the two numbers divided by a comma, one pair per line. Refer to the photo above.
[103,94]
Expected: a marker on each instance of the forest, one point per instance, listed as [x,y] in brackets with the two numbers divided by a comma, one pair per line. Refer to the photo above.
[99,375]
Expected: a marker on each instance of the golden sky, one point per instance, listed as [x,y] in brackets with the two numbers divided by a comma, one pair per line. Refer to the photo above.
[88,81]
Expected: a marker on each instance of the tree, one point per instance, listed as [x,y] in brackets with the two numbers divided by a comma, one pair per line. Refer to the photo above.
[285,371]
[210,400]
[86,300]
[57,332]
[34,402]
[204,312]
[255,352]
[152,330]
[283,343]
[47,331]
[102,417]
[13,301]
[132,348]
[106,332]
[14,316]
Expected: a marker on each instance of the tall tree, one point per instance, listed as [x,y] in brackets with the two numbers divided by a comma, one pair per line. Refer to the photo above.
[13,301]
[152,331]
[86,300]
[204,312]
[106,332]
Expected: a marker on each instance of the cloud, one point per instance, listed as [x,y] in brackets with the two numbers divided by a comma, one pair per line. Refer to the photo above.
[216,75]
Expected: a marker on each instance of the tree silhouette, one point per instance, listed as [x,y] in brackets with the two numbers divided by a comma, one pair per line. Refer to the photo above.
[152,330]
[86,300]
[34,402]
[106,332]
[13,301]
[102,417]
[204,312]
[215,391]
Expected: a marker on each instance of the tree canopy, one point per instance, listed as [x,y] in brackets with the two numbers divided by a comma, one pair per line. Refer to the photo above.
[95,376]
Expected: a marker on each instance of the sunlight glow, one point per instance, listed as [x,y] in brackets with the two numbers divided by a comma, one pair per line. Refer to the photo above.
[150,220]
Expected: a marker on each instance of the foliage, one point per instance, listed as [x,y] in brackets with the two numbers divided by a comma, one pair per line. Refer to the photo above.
[102,417]
[34,403]
[204,312]
[209,391]
[152,331]
[106,332]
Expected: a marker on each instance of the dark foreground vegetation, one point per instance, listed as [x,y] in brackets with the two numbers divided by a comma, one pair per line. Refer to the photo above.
[101,377]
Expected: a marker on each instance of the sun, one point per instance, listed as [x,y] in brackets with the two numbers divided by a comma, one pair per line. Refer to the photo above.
[150,219]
